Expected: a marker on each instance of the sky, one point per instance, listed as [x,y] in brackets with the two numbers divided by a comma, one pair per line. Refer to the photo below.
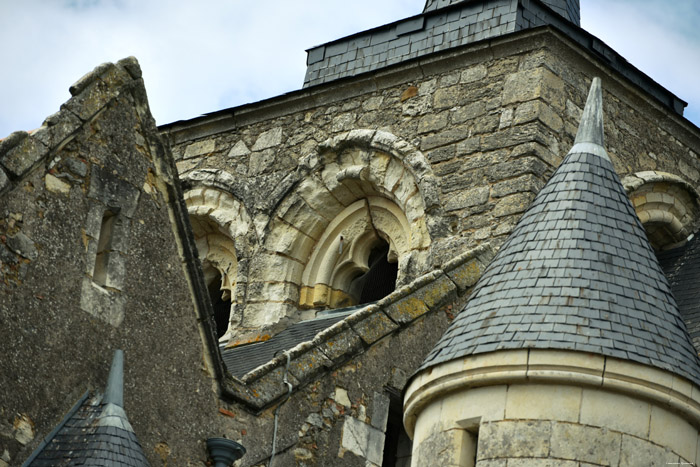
[202,56]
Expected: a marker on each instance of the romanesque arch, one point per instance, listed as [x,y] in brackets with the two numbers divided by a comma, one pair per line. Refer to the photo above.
[666,204]
[220,225]
[362,191]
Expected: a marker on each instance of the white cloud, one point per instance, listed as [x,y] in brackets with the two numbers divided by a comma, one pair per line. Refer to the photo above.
[659,37]
[200,57]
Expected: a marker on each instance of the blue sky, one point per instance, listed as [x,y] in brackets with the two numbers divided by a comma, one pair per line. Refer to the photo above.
[199,57]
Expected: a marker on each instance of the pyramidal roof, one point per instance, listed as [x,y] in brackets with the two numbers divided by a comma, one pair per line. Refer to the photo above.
[95,432]
[577,273]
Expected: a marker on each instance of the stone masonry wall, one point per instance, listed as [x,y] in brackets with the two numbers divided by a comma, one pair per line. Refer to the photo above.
[60,323]
[491,122]
[486,125]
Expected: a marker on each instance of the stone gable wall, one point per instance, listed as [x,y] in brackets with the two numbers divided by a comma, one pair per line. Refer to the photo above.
[60,326]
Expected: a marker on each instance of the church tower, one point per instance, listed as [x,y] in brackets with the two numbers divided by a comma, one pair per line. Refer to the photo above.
[571,347]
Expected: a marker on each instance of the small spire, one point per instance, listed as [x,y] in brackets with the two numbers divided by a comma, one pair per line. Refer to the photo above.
[114,393]
[590,130]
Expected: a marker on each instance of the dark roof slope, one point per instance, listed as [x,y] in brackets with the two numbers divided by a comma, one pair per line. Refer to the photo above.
[577,273]
[682,268]
[96,431]
[243,359]
[84,439]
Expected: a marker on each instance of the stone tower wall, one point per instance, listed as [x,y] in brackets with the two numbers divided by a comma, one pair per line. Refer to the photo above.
[490,125]
[551,406]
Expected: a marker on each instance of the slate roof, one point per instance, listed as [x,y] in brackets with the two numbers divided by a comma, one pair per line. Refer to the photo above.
[682,268]
[241,360]
[95,432]
[577,273]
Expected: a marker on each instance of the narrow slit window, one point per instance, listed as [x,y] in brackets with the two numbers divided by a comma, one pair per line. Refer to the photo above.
[104,248]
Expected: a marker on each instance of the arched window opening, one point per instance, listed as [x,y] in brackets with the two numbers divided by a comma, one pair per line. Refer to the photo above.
[221,303]
[380,280]
[104,248]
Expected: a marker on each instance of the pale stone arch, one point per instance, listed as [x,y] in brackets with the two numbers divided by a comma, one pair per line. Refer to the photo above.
[666,205]
[368,187]
[221,226]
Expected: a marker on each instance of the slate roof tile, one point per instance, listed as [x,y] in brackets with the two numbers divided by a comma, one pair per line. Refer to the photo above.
[628,311]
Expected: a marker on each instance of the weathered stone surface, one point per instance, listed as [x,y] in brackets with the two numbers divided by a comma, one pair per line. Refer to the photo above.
[268,139]
[23,246]
[56,185]
[200,148]
[23,156]
[474,197]
[239,149]
[635,451]
[371,324]
[584,443]
[514,439]
[363,440]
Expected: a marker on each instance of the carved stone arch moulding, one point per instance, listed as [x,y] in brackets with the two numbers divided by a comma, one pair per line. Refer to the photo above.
[221,226]
[666,204]
[362,188]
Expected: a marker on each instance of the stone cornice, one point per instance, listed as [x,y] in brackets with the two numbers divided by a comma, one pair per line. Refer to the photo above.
[552,367]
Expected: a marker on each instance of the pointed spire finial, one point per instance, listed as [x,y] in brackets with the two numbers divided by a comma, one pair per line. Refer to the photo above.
[589,138]
[114,393]
[590,130]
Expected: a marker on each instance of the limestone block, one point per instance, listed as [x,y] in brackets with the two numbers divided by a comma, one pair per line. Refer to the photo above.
[514,439]
[447,97]
[432,122]
[587,444]
[309,363]
[340,395]
[545,402]
[56,185]
[239,149]
[23,429]
[268,139]
[58,129]
[531,84]
[22,245]
[616,412]
[371,324]
[4,180]
[469,111]
[91,99]
[263,313]
[341,192]
[394,173]
[21,157]
[380,411]
[270,385]
[513,204]
[319,198]
[450,135]
[406,309]
[485,403]
[637,451]
[362,440]
[540,463]
[465,275]
[451,448]
[669,429]
[524,183]
[474,73]
[466,199]
[338,341]
[493,463]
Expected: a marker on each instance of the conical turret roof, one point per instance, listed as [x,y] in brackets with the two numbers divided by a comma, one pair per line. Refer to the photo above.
[577,273]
